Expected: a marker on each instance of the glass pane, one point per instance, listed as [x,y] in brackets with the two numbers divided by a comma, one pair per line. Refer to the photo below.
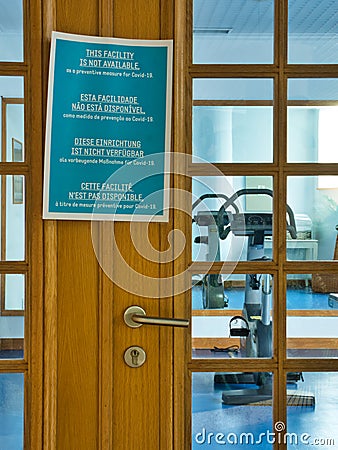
[14,132]
[231,315]
[312,315]
[233,120]
[313,37]
[11,335]
[11,411]
[313,427]
[232,217]
[233,32]
[312,120]
[236,413]
[13,292]
[247,89]
[313,200]
[12,119]
[11,30]
[12,215]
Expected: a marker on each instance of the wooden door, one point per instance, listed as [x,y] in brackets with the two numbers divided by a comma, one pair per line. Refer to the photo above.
[93,399]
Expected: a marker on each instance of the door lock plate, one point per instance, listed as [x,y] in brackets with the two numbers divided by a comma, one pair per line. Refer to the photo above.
[135,356]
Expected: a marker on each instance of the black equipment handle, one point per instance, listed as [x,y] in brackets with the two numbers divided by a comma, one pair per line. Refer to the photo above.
[243,332]
[291,227]
[204,196]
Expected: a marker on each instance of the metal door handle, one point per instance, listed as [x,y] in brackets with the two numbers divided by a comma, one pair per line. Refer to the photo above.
[135,317]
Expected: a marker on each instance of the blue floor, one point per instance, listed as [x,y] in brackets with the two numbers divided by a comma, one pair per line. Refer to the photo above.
[11,411]
[213,422]
[296,299]
[216,424]
[11,354]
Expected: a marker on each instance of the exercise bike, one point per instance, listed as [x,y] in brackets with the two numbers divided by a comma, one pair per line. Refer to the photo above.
[254,326]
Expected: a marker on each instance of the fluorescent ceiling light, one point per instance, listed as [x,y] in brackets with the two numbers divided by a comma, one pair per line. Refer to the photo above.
[212,30]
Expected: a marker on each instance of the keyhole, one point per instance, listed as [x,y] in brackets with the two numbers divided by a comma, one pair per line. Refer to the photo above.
[134,356]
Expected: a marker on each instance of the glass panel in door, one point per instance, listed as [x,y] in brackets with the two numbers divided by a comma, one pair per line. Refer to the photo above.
[314,200]
[235,411]
[11,31]
[312,118]
[312,315]
[233,218]
[312,411]
[232,316]
[312,32]
[232,120]
[11,411]
[233,32]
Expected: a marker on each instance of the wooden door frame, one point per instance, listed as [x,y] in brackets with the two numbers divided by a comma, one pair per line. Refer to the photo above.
[31,365]
[35,308]
[181,306]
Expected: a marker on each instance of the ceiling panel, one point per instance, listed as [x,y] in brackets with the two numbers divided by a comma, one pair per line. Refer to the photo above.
[254,16]
[11,16]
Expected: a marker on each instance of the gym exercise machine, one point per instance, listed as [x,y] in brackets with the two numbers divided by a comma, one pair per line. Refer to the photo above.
[254,326]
